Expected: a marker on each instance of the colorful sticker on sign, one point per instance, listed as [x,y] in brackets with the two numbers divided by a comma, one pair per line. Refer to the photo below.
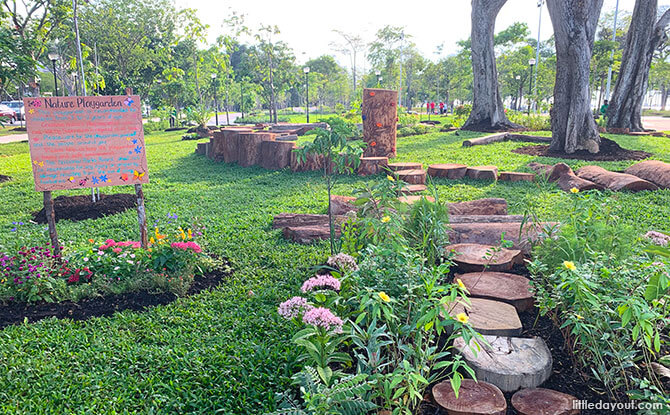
[79,142]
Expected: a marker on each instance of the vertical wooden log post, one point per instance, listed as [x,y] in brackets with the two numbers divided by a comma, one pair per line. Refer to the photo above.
[141,210]
[380,120]
[51,221]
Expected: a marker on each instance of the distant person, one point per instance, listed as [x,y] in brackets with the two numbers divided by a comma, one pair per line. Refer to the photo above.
[432,107]
[441,107]
[603,109]
[427,107]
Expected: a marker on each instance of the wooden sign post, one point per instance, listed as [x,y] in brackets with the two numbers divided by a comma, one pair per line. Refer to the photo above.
[380,119]
[86,142]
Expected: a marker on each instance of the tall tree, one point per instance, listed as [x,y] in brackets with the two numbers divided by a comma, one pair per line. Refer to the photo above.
[488,113]
[353,45]
[572,125]
[644,37]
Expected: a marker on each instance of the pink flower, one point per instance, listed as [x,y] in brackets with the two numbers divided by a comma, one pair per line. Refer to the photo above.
[185,246]
[321,282]
[117,250]
[323,317]
[290,308]
[343,262]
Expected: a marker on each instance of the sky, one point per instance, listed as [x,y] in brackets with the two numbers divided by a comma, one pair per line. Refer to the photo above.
[307,25]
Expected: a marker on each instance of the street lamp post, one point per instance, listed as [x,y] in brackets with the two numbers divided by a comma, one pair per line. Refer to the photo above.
[216,102]
[242,97]
[531,62]
[379,78]
[609,70]
[53,57]
[306,71]
[540,3]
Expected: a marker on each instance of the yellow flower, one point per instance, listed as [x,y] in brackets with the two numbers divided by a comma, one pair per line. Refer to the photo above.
[574,190]
[579,317]
[190,234]
[460,283]
[391,179]
[152,241]
[384,297]
[462,317]
[569,265]
[182,235]
[385,219]
[159,236]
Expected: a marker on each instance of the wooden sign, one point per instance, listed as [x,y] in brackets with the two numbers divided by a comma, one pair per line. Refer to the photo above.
[81,142]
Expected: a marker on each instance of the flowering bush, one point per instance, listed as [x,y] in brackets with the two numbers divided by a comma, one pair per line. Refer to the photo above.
[29,275]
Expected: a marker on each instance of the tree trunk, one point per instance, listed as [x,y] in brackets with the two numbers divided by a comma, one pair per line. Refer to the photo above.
[644,37]
[572,125]
[488,113]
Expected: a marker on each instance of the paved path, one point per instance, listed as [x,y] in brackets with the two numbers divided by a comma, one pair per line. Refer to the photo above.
[4,139]
[656,123]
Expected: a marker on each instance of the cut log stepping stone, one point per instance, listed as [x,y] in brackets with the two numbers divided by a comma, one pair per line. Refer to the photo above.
[410,200]
[477,257]
[414,176]
[500,286]
[482,172]
[489,206]
[493,318]
[447,171]
[540,401]
[309,234]
[413,188]
[490,233]
[613,180]
[339,205]
[276,155]
[567,180]
[284,220]
[654,171]
[405,166]
[372,165]
[493,138]
[515,176]
[485,218]
[510,363]
[474,398]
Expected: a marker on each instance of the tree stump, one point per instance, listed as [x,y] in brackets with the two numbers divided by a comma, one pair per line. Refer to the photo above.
[513,176]
[474,398]
[249,147]
[224,144]
[413,188]
[482,173]
[614,181]
[490,233]
[447,171]
[493,318]
[309,234]
[500,286]
[201,149]
[410,200]
[372,165]
[276,155]
[312,162]
[489,206]
[510,363]
[405,166]
[415,176]
[284,220]
[341,205]
[380,119]
[654,171]
[540,401]
[478,257]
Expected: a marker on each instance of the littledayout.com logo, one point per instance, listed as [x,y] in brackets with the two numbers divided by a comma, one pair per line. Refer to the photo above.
[619,406]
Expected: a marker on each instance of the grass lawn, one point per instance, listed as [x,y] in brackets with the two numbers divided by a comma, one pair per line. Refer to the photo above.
[226,350]
[9,130]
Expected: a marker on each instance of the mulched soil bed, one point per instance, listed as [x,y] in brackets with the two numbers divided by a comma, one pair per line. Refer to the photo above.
[609,151]
[4,178]
[102,306]
[76,208]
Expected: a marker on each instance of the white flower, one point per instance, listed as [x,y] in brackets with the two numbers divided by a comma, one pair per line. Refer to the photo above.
[101,253]
[86,259]
[130,262]
[117,268]
[132,255]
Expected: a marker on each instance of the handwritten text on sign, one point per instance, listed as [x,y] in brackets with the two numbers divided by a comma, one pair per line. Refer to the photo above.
[78,142]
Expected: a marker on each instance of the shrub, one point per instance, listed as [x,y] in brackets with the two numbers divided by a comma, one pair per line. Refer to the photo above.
[463,110]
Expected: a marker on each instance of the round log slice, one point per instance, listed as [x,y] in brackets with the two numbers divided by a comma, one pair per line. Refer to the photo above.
[413,188]
[490,317]
[510,363]
[410,200]
[405,166]
[654,171]
[477,257]
[482,172]
[515,176]
[501,286]
[489,206]
[372,165]
[474,398]
[614,181]
[447,171]
[414,176]
[342,204]
[540,401]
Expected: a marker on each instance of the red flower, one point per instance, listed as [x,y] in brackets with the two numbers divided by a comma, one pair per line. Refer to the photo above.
[379,124]
[372,144]
[372,93]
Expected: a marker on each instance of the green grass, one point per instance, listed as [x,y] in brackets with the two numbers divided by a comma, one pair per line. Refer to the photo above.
[225,350]
[8,129]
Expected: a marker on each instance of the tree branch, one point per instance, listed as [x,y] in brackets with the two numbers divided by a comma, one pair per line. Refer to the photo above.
[663,21]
